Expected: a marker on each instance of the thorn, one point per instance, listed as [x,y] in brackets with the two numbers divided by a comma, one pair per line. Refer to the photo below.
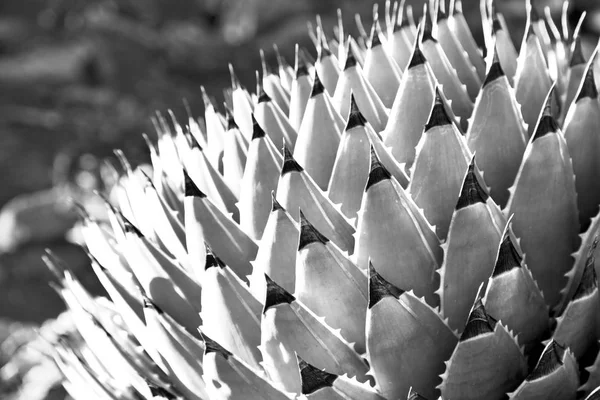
[375,39]
[508,256]
[313,378]
[317,87]
[275,206]
[210,346]
[355,117]
[207,101]
[551,359]
[377,171]
[300,65]
[212,260]
[350,58]
[479,322]
[413,395]
[191,190]
[547,123]
[257,131]
[439,115]
[417,58]
[289,164]
[379,288]
[276,295]
[588,89]
[471,192]
[495,72]
[577,57]
[309,234]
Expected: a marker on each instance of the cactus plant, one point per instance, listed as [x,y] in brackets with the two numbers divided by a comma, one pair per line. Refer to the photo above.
[392,221]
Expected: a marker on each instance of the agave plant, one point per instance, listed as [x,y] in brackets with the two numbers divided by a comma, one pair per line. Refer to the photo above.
[334,236]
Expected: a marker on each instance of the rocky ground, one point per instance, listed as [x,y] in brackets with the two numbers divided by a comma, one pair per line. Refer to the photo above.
[79,78]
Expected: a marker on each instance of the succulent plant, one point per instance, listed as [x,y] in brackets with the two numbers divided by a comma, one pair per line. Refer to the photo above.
[334,235]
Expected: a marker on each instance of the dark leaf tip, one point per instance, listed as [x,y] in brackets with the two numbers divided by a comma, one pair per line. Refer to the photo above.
[257,131]
[212,260]
[350,58]
[413,395]
[551,359]
[508,257]
[317,87]
[276,295]
[379,288]
[418,58]
[471,192]
[191,190]
[313,378]
[439,115]
[211,346]
[309,234]
[289,164]
[588,89]
[495,72]
[479,322]
[546,125]
[355,117]
[577,58]
[377,172]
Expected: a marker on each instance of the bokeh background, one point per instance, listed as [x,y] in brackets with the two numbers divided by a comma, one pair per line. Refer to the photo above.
[79,78]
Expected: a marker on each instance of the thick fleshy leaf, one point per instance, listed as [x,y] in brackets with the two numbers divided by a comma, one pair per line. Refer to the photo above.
[300,93]
[328,69]
[411,109]
[486,363]
[221,233]
[287,327]
[556,376]
[512,296]
[273,86]
[407,340]
[544,205]
[458,25]
[469,251]
[399,43]
[352,81]
[439,168]
[319,136]
[260,179]
[407,257]
[331,285]
[298,191]
[497,133]
[273,120]
[234,154]
[229,378]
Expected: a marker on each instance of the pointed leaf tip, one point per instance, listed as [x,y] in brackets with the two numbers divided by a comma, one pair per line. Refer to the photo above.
[275,205]
[289,164]
[263,97]
[317,87]
[427,28]
[551,359]
[589,280]
[309,234]
[211,346]
[379,288]
[546,125]
[375,39]
[276,295]
[355,117]
[495,72]
[191,190]
[350,58]
[257,130]
[418,58]
[439,115]
[231,124]
[212,260]
[377,172]
[496,25]
[508,257]
[588,89]
[313,378]
[413,395]
[471,192]
[577,58]
[479,322]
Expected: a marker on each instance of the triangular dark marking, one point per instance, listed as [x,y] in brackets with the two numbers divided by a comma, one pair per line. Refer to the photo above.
[289,164]
[551,359]
[257,131]
[546,125]
[508,257]
[130,227]
[191,190]
[413,395]
[160,392]
[439,115]
[588,89]
[275,206]
[577,57]
[379,288]
[276,295]
[210,346]
[418,58]
[192,141]
[231,124]
[350,58]
[471,192]
[309,234]
[313,378]
[323,52]
[427,28]
[441,14]
[496,24]
[495,72]
[355,118]
[375,39]
[377,172]
[317,87]
[212,261]
[262,95]
[479,322]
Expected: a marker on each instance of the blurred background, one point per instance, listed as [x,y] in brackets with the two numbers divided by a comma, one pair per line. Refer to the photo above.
[79,78]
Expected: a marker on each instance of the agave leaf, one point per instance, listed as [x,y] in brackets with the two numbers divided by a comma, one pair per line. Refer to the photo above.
[296,190]
[512,296]
[352,81]
[331,285]
[497,133]
[381,70]
[399,44]
[407,257]
[469,251]
[410,113]
[288,326]
[445,73]
[234,154]
[183,369]
[459,27]
[407,340]
[319,135]
[577,326]
[275,122]
[580,124]
[555,376]
[544,204]
[273,86]
[576,73]
[242,106]
[230,313]
[351,167]
[286,71]
[221,233]
[215,131]
[211,182]
[593,380]
[276,255]
[438,171]
[327,68]
[486,363]
[260,179]
[321,385]
[300,93]
[532,80]
[229,377]
[457,56]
